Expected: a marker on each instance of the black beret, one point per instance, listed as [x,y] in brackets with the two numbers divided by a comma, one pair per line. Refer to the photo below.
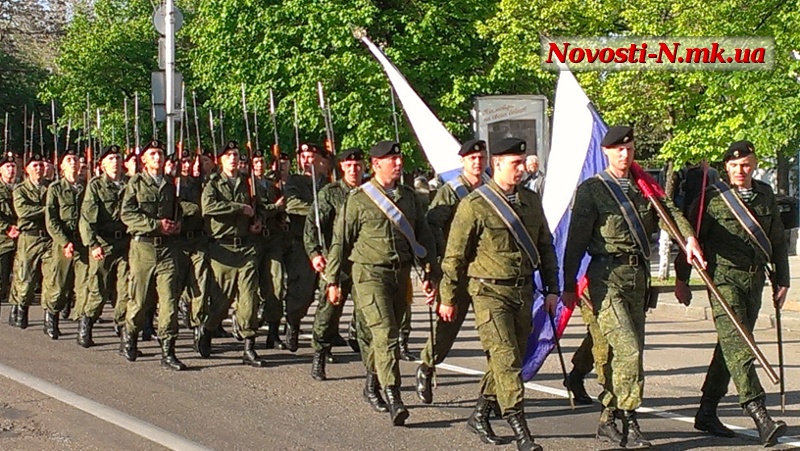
[739,149]
[258,154]
[209,154]
[472,146]
[385,149]
[351,154]
[509,146]
[7,157]
[285,156]
[232,145]
[112,149]
[154,144]
[243,157]
[185,154]
[130,155]
[35,157]
[311,147]
[620,134]
[67,153]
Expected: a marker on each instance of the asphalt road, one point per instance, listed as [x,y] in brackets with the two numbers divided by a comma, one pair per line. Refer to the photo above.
[55,395]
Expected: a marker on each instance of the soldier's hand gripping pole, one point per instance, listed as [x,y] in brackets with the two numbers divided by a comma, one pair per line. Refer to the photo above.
[557,341]
[672,228]
[778,326]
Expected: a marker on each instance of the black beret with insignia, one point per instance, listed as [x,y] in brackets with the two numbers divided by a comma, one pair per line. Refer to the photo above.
[385,149]
[311,147]
[68,152]
[209,154]
[36,157]
[509,146]
[351,154]
[185,155]
[112,149]
[739,149]
[154,144]
[472,146]
[8,157]
[243,157]
[232,145]
[258,154]
[620,134]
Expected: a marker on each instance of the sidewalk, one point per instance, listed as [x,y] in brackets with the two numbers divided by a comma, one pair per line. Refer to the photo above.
[700,308]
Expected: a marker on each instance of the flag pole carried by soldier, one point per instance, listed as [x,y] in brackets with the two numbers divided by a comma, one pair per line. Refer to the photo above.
[497,238]
[69,264]
[742,234]
[104,234]
[613,221]
[316,234]
[440,216]
[382,230]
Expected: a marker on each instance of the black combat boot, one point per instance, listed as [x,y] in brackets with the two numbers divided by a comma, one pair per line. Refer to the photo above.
[521,433]
[273,336]
[148,331]
[706,419]
[202,342]
[405,354]
[51,325]
[768,430]
[292,336]
[478,423]
[574,384]
[608,431]
[397,411]
[130,345]
[22,317]
[318,365]
[250,357]
[372,393]
[85,332]
[67,310]
[168,359]
[632,433]
[425,383]
[12,315]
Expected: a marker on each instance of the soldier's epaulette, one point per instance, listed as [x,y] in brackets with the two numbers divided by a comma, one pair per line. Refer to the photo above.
[213,177]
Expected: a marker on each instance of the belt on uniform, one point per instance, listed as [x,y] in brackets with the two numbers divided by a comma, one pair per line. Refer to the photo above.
[518,282]
[117,235]
[238,241]
[620,259]
[265,232]
[39,233]
[193,234]
[154,240]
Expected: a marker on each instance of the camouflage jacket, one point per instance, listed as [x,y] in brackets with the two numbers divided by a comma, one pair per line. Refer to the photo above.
[480,244]
[599,227]
[223,203]
[299,196]
[330,198]
[7,216]
[191,189]
[441,211]
[62,212]
[363,234]
[100,220]
[726,242]
[145,203]
[29,203]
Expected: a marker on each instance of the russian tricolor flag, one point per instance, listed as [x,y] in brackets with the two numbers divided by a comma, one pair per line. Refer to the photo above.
[574,156]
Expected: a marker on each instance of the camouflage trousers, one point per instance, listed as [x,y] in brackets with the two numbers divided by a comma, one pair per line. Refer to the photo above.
[619,295]
[32,257]
[108,281]
[503,318]
[271,271]
[234,269]
[445,333]
[153,280]
[327,316]
[194,274]
[732,358]
[65,277]
[593,352]
[300,284]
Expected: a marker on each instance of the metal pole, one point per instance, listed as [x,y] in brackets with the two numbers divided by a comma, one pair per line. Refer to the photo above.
[136,123]
[170,74]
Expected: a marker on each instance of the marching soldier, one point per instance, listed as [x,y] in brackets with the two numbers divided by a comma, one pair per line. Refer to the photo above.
[69,264]
[33,243]
[498,237]
[380,231]
[104,234]
[331,198]
[619,276]
[440,216]
[270,253]
[301,280]
[151,211]
[233,220]
[8,222]
[741,233]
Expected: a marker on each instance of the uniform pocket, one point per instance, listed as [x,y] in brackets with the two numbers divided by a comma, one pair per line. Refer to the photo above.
[369,310]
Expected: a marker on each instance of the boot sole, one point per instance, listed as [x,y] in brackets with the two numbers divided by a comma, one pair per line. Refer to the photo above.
[779,432]
[400,419]
[729,434]
[496,441]
[610,440]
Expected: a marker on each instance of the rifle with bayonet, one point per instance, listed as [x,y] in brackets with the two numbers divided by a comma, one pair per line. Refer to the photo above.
[251,174]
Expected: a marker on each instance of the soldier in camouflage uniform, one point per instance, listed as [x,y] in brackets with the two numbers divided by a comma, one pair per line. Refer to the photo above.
[381,256]
[234,220]
[69,265]
[331,198]
[270,253]
[736,263]
[151,211]
[619,277]
[483,254]
[302,280]
[106,238]
[33,243]
[8,222]
[439,216]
